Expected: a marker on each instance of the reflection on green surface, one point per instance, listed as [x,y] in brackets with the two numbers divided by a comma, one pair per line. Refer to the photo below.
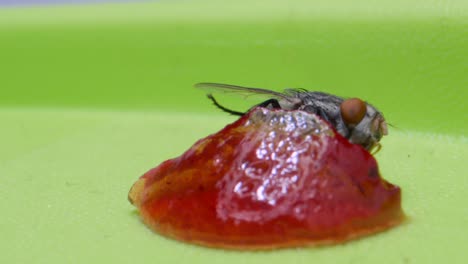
[412,67]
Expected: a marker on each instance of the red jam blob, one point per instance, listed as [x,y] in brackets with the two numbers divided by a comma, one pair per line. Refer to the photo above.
[271,179]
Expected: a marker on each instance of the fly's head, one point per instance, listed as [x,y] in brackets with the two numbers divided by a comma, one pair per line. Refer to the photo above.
[365,124]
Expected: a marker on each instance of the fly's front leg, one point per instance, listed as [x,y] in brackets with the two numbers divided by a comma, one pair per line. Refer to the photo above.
[333,120]
[324,115]
[316,110]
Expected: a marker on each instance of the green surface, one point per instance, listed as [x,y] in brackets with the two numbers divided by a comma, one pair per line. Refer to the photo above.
[93,96]
[67,173]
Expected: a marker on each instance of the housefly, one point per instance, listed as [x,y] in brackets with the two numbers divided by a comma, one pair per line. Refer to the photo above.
[358,121]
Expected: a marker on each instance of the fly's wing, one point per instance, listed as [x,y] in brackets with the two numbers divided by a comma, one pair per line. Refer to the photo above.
[245,91]
[295,91]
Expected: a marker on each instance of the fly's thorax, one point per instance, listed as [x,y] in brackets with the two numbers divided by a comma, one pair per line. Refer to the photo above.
[292,104]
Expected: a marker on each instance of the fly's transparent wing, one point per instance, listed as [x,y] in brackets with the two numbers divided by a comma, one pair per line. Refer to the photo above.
[244,91]
[295,91]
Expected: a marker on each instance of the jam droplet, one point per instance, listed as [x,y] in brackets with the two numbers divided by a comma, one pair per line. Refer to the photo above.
[271,179]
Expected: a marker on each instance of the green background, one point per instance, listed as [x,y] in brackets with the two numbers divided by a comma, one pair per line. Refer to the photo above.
[92,96]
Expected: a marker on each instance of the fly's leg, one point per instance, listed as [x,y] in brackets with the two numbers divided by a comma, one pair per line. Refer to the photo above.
[271,103]
[322,114]
[318,111]
[227,110]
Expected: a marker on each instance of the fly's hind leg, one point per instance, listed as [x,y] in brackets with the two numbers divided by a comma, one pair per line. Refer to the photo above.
[227,110]
[271,104]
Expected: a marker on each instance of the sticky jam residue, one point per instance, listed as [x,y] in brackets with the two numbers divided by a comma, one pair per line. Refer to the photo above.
[271,179]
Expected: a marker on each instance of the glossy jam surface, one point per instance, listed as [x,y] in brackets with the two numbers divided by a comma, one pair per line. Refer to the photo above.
[271,179]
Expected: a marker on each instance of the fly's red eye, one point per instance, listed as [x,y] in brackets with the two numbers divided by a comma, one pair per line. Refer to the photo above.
[353,111]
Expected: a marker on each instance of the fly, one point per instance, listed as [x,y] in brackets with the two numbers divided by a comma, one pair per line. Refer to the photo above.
[358,121]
